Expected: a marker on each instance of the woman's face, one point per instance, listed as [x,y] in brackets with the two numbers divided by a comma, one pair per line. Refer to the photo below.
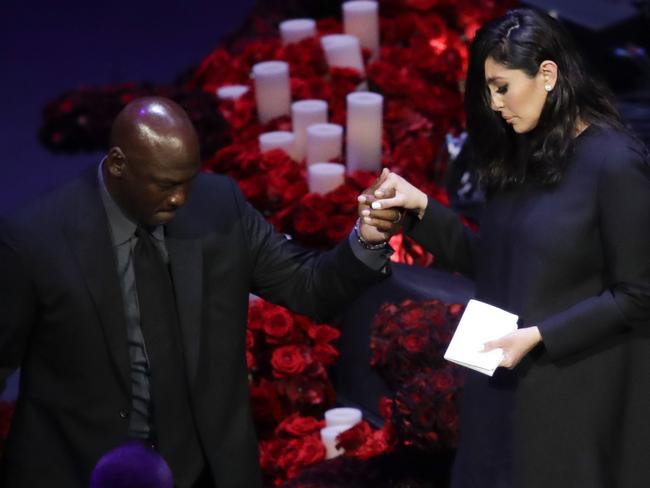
[517,97]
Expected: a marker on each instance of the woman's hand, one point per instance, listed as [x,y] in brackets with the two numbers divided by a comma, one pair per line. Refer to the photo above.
[515,345]
[386,223]
[406,196]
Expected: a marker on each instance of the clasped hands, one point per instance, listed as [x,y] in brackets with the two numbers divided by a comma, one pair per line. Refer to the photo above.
[383,205]
[381,211]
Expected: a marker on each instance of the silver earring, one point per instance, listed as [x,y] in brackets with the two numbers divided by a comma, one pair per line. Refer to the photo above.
[548,87]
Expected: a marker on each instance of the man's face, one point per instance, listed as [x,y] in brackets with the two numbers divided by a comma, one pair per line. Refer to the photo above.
[153,185]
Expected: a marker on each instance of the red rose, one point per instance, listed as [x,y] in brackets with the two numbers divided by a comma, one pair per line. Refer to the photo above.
[269,452]
[288,361]
[362,442]
[326,354]
[386,407]
[307,392]
[256,315]
[378,352]
[442,380]
[323,333]
[413,343]
[297,426]
[299,453]
[250,360]
[278,324]
[265,403]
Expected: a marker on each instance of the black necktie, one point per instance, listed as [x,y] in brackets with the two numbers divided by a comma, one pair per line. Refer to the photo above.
[173,425]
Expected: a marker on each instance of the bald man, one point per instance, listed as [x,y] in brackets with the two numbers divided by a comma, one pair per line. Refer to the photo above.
[123,298]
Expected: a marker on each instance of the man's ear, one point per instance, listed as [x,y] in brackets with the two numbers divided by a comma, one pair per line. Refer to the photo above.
[115,162]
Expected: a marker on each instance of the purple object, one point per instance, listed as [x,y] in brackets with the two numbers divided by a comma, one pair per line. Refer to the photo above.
[131,465]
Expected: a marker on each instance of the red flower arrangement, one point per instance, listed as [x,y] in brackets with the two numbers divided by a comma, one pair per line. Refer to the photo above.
[287,355]
[295,446]
[407,346]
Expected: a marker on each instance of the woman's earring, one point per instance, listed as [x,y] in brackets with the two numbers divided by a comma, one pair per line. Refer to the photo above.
[548,87]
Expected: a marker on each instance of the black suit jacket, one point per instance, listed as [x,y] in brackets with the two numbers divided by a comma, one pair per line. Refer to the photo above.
[62,322]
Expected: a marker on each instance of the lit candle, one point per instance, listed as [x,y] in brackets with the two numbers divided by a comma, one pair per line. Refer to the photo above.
[303,114]
[324,177]
[342,51]
[364,124]
[272,90]
[324,142]
[277,140]
[296,30]
[342,416]
[361,19]
[328,437]
[231,92]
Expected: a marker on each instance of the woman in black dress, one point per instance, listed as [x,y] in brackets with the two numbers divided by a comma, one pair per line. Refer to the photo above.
[565,244]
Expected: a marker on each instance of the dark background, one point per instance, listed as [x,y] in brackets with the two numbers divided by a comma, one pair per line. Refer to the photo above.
[47,48]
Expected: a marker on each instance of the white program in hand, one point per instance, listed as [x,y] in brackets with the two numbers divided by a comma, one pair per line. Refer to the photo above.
[480,323]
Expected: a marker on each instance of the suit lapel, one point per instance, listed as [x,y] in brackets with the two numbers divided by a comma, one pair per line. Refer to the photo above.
[186,259]
[90,240]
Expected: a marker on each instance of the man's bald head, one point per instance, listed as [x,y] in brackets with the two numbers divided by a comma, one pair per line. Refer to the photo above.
[154,155]
[150,123]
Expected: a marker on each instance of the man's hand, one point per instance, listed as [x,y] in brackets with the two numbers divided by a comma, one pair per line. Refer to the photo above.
[384,223]
[515,345]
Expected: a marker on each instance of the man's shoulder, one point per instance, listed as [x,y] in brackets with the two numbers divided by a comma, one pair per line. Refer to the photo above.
[213,192]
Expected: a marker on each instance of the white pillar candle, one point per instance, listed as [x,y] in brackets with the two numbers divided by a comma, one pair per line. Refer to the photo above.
[342,51]
[303,114]
[231,92]
[364,123]
[324,142]
[296,30]
[328,437]
[277,140]
[324,177]
[342,416]
[272,90]
[361,19]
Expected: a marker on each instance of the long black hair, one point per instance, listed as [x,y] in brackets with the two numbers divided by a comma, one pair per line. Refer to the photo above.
[521,40]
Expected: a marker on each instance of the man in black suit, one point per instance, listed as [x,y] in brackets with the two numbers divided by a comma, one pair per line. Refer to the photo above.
[123,298]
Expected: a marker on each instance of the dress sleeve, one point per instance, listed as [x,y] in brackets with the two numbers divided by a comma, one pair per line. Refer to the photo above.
[442,233]
[623,201]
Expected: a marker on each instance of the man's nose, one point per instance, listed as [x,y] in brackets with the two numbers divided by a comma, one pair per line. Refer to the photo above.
[179,197]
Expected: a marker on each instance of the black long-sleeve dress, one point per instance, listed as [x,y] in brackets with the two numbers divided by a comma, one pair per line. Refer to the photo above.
[574,260]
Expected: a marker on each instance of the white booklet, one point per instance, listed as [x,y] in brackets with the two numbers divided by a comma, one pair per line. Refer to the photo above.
[480,323]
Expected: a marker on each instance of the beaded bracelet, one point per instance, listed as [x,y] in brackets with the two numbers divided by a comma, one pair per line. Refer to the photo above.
[365,244]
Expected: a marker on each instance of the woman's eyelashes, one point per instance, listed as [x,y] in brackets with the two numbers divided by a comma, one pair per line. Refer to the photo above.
[501,90]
